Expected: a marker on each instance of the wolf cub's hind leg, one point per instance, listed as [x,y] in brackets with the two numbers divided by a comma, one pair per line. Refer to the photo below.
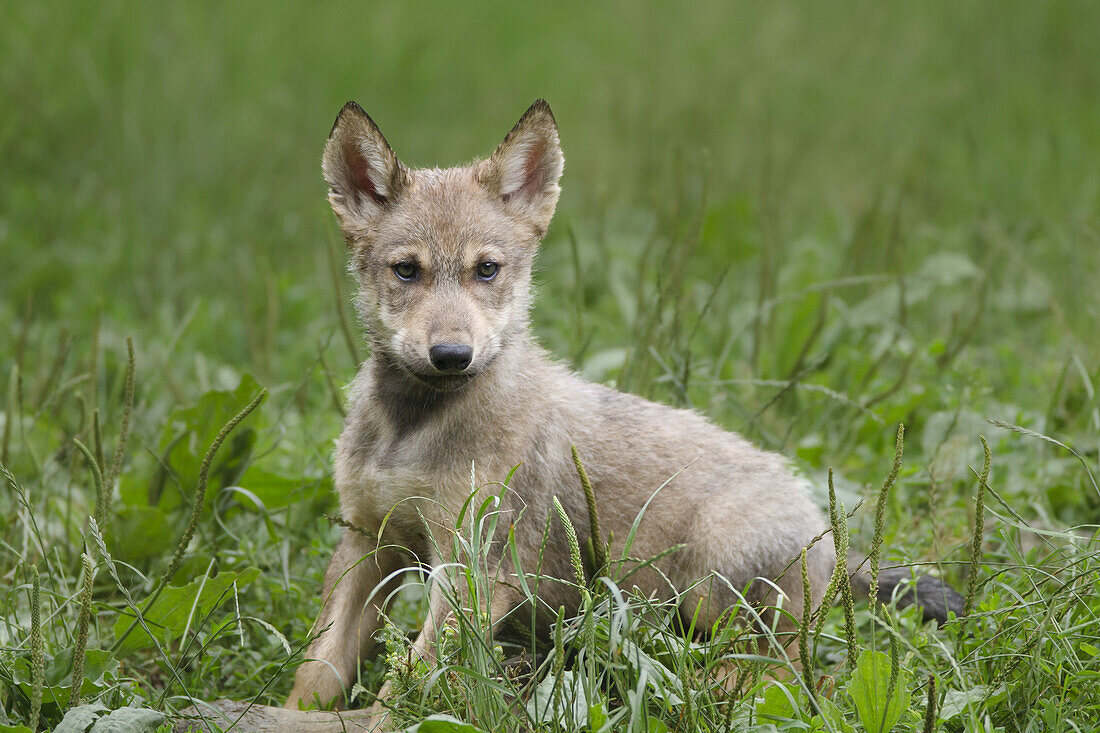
[347,621]
[710,600]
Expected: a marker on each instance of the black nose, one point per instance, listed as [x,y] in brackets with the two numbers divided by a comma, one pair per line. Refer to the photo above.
[451,357]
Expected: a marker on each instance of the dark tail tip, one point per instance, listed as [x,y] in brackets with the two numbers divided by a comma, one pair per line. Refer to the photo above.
[935,597]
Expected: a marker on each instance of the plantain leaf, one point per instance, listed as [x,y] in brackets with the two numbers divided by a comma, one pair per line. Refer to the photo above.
[870,683]
[442,724]
[169,614]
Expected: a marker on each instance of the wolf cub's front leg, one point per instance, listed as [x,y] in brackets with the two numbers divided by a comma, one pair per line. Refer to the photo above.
[504,598]
[360,569]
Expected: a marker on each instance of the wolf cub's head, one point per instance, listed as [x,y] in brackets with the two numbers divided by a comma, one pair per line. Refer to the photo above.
[443,257]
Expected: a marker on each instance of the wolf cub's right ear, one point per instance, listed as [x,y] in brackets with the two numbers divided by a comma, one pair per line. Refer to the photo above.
[363,173]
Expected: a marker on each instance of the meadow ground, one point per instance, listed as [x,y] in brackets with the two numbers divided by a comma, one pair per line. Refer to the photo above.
[810,222]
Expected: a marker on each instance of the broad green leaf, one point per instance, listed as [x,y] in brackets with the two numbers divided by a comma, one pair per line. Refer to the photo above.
[665,684]
[80,719]
[868,688]
[277,491]
[948,268]
[141,533]
[188,434]
[129,720]
[831,717]
[598,365]
[442,724]
[100,669]
[597,716]
[780,702]
[655,725]
[572,708]
[956,702]
[168,616]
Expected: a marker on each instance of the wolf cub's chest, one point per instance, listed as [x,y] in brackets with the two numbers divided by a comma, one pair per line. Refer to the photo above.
[379,483]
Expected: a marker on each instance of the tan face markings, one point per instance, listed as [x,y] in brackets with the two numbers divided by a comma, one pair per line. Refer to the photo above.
[467,270]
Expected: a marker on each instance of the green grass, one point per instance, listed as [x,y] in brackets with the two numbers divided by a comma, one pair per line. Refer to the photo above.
[810,222]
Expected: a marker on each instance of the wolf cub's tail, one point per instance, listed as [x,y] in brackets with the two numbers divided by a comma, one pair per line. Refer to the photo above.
[934,597]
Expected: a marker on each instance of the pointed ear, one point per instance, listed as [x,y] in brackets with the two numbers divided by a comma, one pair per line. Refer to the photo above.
[524,171]
[363,173]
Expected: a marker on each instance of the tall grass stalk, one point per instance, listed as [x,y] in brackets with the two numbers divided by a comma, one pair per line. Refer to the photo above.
[127,412]
[875,555]
[9,414]
[97,441]
[197,506]
[804,629]
[102,501]
[350,339]
[597,548]
[979,531]
[574,547]
[930,706]
[131,604]
[559,660]
[895,664]
[838,520]
[80,645]
[38,653]
[200,487]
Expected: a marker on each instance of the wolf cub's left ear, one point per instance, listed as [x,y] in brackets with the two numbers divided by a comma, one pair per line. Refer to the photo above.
[524,171]
[363,173]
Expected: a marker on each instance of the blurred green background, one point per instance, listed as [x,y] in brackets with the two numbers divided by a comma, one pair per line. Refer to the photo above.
[157,156]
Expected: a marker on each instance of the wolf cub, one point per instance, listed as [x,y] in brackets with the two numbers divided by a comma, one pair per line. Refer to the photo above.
[456,393]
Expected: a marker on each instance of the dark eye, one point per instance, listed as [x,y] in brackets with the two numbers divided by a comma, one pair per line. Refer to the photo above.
[406,270]
[487,270]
